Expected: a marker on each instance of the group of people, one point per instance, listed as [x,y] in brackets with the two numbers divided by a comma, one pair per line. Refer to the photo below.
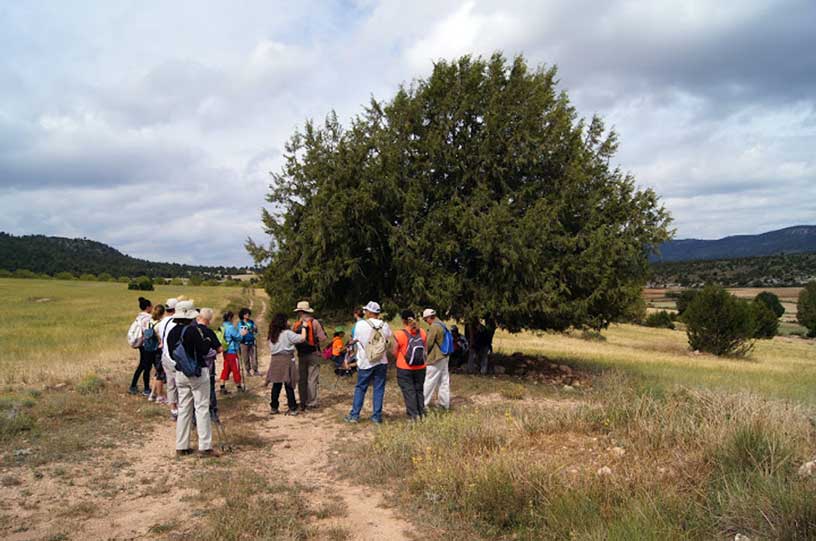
[178,347]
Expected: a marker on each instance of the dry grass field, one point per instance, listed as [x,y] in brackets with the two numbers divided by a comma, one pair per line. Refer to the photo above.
[647,441]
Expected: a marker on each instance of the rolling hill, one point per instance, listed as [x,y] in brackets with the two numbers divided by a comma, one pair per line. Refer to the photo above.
[50,255]
[798,239]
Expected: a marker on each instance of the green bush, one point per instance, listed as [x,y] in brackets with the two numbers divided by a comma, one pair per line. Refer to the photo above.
[771,301]
[196,279]
[90,384]
[766,322]
[5,273]
[806,309]
[88,277]
[142,283]
[176,282]
[24,273]
[684,298]
[661,319]
[719,323]
[64,276]
[104,277]
[123,279]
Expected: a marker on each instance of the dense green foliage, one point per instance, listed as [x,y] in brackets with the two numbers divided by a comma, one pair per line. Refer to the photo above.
[51,255]
[771,271]
[477,191]
[771,300]
[142,283]
[718,322]
[806,308]
[661,319]
[766,322]
[683,299]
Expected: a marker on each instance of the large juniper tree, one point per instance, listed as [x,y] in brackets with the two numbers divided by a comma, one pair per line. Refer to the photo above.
[478,191]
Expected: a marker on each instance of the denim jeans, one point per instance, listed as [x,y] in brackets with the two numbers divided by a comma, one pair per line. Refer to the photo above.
[377,374]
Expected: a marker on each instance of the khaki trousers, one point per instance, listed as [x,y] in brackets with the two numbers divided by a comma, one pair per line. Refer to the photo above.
[309,381]
[170,372]
[249,358]
[194,398]
[438,378]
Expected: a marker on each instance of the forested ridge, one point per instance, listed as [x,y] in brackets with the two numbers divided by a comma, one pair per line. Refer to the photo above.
[51,255]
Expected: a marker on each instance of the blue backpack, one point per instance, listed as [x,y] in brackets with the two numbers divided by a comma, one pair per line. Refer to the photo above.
[151,341]
[447,340]
[186,364]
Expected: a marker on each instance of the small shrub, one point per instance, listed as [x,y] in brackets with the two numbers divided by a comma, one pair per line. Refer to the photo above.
[771,301]
[13,422]
[88,277]
[514,391]
[90,384]
[176,282]
[104,277]
[806,309]
[719,323]
[661,319]
[142,283]
[24,273]
[766,322]
[684,298]
[64,276]
[123,279]
[5,273]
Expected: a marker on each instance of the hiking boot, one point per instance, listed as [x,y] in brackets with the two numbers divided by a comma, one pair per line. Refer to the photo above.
[376,421]
[147,392]
[275,411]
[224,390]
[184,452]
[174,414]
[293,413]
[133,390]
[209,453]
[350,419]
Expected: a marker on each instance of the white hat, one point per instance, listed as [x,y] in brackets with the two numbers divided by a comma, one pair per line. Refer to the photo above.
[303,306]
[428,312]
[372,307]
[185,310]
[171,303]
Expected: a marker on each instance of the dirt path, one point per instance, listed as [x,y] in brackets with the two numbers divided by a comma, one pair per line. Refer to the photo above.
[140,490]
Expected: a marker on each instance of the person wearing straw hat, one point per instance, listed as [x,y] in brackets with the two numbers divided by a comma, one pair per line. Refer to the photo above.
[193,391]
[308,355]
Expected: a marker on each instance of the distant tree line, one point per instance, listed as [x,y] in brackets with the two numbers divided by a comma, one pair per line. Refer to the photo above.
[136,282]
[42,255]
[786,270]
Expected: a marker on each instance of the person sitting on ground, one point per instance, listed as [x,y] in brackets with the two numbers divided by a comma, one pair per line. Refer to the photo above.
[308,355]
[145,357]
[193,391]
[338,348]
[249,352]
[411,364]
[283,370]
[157,384]
[233,337]
[437,378]
[371,341]
[168,365]
[460,348]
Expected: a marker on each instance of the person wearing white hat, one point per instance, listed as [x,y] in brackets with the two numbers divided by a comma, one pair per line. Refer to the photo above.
[162,329]
[440,346]
[193,391]
[371,336]
[308,355]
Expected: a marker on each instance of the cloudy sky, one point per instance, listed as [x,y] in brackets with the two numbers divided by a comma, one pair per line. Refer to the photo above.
[152,126]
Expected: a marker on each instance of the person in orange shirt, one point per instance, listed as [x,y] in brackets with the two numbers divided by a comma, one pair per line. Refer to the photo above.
[411,355]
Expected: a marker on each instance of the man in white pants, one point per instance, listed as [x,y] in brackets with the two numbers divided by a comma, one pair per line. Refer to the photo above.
[193,391]
[437,376]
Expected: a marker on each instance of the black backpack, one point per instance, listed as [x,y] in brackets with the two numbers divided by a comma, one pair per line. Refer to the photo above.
[415,353]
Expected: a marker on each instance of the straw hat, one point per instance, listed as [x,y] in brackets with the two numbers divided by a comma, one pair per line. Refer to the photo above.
[303,306]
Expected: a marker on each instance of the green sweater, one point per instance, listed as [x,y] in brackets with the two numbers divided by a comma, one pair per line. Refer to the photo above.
[435,334]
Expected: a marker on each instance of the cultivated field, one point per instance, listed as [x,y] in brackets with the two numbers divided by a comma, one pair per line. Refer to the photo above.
[626,437]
